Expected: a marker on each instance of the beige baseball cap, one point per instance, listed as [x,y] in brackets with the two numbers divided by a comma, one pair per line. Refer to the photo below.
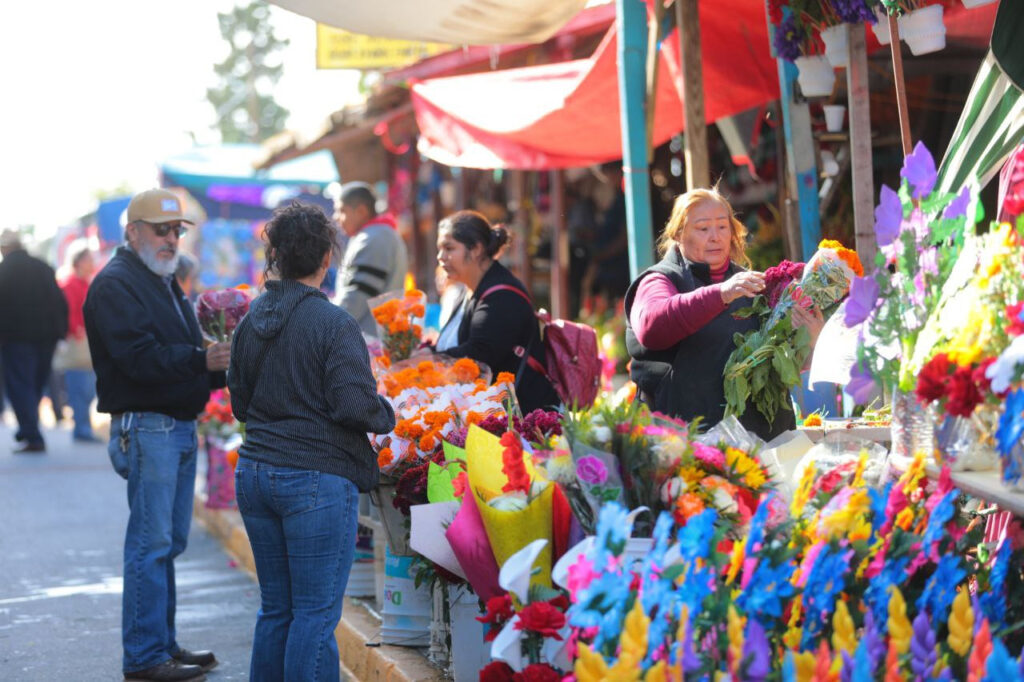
[156,206]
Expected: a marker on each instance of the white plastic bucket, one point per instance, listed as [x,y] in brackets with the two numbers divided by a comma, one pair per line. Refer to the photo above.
[881,28]
[816,76]
[837,45]
[834,116]
[469,651]
[923,30]
[406,610]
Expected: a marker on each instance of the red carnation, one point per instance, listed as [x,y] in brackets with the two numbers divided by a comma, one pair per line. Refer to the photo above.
[543,618]
[538,672]
[499,612]
[497,671]
[932,380]
[964,395]
[978,375]
[1016,322]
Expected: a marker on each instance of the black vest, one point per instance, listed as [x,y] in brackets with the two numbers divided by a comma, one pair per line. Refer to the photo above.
[685,380]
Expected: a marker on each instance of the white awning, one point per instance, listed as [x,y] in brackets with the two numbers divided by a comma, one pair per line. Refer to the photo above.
[456,22]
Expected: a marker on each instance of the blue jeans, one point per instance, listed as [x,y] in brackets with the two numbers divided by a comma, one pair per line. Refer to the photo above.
[160,465]
[26,371]
[81,388]
[302,528]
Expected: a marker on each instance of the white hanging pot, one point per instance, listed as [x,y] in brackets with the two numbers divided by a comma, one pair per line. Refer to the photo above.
[816,75]
[837,48]
[970,4]
[923,30]
[881,28]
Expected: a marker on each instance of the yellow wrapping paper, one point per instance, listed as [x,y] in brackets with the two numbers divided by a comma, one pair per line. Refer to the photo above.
[508,531]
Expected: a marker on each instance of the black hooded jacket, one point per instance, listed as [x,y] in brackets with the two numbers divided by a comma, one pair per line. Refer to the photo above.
[300,380]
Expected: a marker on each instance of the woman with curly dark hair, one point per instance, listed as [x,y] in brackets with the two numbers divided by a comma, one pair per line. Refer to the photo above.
[300,380]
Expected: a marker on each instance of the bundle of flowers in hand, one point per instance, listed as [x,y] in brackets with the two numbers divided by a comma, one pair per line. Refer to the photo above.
[767,362]
[399,318]
[859,583]
[220,311]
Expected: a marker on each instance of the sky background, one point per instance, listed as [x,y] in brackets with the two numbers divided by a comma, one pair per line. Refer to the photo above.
[95,94]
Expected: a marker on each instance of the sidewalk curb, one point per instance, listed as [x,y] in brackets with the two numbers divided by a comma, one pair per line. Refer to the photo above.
[357,629]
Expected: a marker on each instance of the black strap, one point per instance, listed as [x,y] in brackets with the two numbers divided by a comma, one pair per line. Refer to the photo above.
[527,358]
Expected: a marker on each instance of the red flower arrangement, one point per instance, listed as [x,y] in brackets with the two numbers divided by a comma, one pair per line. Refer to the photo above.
[537,672]
[958,389]
[497,671]
[541,617]
[776,279]
[499,612]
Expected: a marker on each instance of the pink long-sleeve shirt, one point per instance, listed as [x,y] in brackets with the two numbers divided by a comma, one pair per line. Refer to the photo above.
[661,317]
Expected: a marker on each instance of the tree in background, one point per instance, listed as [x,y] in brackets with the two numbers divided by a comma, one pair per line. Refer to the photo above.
[245,109]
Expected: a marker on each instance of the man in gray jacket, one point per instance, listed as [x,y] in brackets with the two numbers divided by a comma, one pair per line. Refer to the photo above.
[375,259]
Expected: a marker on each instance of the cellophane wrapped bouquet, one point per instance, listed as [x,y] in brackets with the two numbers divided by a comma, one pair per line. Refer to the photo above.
[767,361]
[220,311]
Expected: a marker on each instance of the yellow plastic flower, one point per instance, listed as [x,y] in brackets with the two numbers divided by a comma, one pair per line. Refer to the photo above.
[900,630]
[590,665]
[803,492]
[844,636]
[734,628]
[961,624]
[633,646]
[735,562]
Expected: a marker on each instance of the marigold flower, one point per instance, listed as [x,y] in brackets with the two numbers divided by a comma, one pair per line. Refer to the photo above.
[465,371]
[688,505]
[505,378]
[813,419]
[385,457]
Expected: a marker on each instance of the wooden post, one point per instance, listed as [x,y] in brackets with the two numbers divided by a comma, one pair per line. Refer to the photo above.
[559,249]
[859,104]
[653,60]
[901,87]
[801,166]
[698,173]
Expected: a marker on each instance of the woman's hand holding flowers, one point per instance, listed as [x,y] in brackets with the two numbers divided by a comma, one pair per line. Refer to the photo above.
[748,283]
[811,318]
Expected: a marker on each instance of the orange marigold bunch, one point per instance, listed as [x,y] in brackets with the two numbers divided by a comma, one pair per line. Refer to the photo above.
[848,256]
[399,335]
[512,464]
[385,457]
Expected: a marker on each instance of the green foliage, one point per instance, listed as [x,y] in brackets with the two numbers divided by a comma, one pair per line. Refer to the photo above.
[244,103]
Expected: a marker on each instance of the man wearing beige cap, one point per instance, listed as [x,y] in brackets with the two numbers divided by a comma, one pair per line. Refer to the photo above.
[154,377]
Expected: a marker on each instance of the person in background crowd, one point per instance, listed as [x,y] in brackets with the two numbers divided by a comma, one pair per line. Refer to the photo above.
[79,379]
[300,380]
[154,377]
[375,259]
[186,273]
[33,317]
[498,325]
[680,324]
[610,260]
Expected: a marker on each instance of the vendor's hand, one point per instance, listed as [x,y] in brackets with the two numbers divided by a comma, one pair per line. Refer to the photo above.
[747,283]
[218,356]
[810,318]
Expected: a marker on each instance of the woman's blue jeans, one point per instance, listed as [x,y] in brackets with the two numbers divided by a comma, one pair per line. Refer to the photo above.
[302,528]
[158,457]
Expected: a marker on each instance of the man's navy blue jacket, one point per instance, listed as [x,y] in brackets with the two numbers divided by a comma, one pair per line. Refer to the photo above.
[146,357]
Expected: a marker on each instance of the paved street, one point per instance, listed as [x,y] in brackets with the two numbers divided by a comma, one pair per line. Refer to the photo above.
[61,539]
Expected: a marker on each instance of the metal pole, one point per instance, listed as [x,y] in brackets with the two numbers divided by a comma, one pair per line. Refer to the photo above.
[698,173]
[631,19]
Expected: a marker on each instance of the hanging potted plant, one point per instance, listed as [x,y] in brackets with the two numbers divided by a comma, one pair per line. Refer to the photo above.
[837,14]
[920,24]
[794,39]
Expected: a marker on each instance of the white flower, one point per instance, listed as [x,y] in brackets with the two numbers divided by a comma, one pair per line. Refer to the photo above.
[724,501]
[672,488]
[560,469]
[602,434]
[1001,372]
[513,501]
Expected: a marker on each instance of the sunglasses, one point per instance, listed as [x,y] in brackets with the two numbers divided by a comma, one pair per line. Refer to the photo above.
[164,229]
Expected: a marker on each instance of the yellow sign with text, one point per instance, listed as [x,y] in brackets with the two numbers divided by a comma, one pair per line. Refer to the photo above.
[338,49]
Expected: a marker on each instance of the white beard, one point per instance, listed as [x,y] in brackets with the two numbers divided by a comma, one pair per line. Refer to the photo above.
[161,268]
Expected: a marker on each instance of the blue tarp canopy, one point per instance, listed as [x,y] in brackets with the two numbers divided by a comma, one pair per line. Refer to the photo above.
[232,164]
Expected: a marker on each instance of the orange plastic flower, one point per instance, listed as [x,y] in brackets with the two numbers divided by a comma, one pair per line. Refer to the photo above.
[384,457]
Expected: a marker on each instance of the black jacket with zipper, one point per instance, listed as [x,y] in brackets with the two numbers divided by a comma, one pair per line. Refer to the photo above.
[146,357]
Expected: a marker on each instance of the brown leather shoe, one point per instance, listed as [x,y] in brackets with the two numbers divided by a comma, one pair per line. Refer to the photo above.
[168,671]
[204,659]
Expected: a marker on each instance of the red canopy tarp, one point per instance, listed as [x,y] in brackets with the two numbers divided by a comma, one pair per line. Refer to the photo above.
[567,114]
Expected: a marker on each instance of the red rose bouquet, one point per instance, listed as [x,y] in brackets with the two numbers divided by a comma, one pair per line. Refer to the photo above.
[220,311]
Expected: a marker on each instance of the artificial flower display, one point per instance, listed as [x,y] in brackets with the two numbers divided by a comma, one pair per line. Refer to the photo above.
[767,361]
[856,582]
[396,317]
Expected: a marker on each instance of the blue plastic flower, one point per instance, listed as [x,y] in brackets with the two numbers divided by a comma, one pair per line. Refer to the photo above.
[993,600]
[958,207]
[863,297]
[755,535]
[888,216]
[1011,423]
[879,500]
[940,588]
[943,512]
[863,668]
[1000,666]
[877,594]
[919,171]
[769,588]
[824,582]
[695,537]
[611,527]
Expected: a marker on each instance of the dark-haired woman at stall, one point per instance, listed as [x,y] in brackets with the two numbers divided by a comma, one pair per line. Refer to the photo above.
[300,381]
[497,325]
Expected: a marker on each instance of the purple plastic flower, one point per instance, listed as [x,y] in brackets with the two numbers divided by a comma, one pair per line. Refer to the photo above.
[861,386]
[929,261]
[919,171]
[863,296]
[958,207]
[591,470]
[853,11]
[888,216]
[922,647]
[788,37]
[757,652]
